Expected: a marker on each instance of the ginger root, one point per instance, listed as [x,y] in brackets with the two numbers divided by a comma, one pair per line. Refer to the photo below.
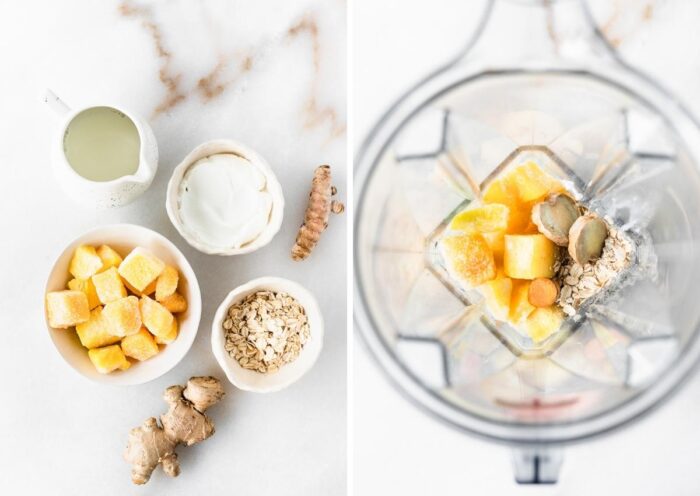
[185,423]
[318,210]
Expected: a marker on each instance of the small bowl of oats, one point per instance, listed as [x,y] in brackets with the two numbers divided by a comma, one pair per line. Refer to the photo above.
[267,334]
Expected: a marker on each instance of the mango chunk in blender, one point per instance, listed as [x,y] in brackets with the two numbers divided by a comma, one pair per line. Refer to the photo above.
[520,306]
[532,183]
[469,257]
[529,256]
[497,295]
[489,218]
[519,190]
[503,192]
[543,322]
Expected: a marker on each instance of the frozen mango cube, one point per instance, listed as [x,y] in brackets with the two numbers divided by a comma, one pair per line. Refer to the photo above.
[503,192]
[497,295]
[108,359]
[469,257]
[543,322]
[109,285]
[123,316]
[529,256]
[175,303]
[109,257]
[166,284]
[497,243]
[140,268]
[95,332]
[520,306]
[170,336]
[147,290]
[157,319]
[67,308]
[85,262]
[140,346]
[87,287]
[489,218]
[532,183]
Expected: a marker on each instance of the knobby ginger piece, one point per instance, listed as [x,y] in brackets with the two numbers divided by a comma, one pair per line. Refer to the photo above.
[185,423]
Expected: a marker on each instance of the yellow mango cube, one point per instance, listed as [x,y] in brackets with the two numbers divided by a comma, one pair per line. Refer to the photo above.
[95,332]
[497,294]
[140,346]
[497,243]
[67,308]
[140,268]
[123,316]
[170,336]
[543,322]
[109,257]
[532,183]
[166,284]
[520,306]
[529,256]
[157,319]
[489,218]
[150,289]
[85,262]
[469,258]
[87,287]
[109,285]
[175,303]
[502,191]
[108,359]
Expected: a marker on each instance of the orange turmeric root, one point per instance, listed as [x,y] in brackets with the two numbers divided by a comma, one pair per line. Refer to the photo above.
[318,210]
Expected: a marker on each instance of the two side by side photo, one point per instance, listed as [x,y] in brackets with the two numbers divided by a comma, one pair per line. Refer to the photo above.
[350,247]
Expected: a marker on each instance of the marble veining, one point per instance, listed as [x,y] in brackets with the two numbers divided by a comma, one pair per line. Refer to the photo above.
[231,67]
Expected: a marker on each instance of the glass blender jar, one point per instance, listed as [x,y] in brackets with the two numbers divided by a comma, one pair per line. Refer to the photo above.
[555,93]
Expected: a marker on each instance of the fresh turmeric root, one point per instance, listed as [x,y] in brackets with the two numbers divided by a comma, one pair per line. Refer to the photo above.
[185,423]
[318,210]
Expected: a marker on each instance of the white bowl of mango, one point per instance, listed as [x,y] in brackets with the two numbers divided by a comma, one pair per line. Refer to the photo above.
[122,304]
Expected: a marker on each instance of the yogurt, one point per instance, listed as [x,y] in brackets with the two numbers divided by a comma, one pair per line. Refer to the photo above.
[223,201]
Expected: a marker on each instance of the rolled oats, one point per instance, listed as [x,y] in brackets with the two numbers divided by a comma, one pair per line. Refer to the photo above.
[265,331]
[578,283]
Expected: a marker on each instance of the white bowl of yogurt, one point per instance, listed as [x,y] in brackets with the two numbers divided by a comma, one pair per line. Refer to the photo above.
[224,199]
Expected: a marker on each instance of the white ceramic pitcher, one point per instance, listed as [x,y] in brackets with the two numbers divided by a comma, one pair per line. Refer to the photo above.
[102,194]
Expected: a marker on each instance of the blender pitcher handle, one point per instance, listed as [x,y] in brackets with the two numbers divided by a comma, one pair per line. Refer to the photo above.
[537,464]
[57,105]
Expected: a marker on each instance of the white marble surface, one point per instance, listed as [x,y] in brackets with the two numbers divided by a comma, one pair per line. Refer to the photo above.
[397,448]
[270,74]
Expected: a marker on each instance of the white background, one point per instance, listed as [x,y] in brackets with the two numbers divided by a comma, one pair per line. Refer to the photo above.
[62,435]
[399,449]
